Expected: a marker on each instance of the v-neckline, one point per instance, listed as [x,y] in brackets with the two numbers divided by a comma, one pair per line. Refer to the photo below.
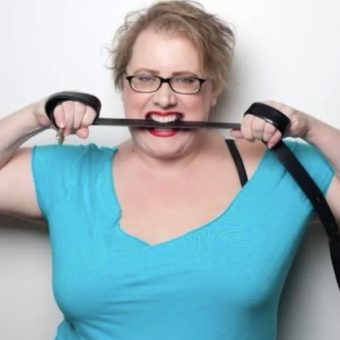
[237,197]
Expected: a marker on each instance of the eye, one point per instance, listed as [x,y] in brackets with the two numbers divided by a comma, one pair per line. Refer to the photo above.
[145,78]
[184,80]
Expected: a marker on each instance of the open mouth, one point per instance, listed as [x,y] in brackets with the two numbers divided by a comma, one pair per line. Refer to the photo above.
[165,118]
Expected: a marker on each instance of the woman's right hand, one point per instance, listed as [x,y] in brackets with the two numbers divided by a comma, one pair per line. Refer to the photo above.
[71,116]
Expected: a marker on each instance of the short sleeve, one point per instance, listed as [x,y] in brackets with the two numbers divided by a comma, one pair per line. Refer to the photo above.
[57,170]
[314,162]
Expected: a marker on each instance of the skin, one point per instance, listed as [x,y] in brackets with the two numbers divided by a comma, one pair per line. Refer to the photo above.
[184,180]
[151,46]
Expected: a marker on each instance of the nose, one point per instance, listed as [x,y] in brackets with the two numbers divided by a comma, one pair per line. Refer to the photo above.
[165,97]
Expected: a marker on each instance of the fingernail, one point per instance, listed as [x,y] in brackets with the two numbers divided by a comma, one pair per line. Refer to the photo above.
[61,125]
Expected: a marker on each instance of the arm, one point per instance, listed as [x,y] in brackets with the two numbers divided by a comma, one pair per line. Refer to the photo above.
[16,183]
[327,139]
[17,190]
[323,136]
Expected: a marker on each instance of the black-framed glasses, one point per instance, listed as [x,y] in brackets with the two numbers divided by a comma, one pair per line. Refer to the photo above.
[146,83]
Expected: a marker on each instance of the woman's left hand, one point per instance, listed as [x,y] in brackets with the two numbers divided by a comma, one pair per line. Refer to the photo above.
[255,128]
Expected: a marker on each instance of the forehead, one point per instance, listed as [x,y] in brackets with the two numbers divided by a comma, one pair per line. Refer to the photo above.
[164,53]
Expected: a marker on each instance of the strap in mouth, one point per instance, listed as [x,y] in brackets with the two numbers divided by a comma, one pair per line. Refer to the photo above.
[268,113]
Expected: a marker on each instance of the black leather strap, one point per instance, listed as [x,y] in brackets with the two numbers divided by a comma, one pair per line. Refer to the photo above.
[270,115]
[57,98]
[94,102]
[317,200]
[304,180]
[308,186]
[311,190]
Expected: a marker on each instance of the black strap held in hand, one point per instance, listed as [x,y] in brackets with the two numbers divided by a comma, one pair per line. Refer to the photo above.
[270,115]
[54,100]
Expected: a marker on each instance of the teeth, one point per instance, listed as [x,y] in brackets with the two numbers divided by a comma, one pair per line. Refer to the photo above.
[164,119]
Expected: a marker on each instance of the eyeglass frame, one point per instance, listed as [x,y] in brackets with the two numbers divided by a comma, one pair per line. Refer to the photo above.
[168,81]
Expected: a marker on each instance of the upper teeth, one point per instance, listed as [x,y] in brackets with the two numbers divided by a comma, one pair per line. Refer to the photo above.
[164,119]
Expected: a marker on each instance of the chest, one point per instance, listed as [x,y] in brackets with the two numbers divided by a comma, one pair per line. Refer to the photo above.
[158,209]
[239,258]
[225,263]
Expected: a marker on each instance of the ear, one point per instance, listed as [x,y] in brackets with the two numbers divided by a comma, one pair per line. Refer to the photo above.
[213,101]
[214,96]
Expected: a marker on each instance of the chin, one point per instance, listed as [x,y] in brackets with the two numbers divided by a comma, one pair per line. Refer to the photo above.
[169,147]
[165,151]
[166,154]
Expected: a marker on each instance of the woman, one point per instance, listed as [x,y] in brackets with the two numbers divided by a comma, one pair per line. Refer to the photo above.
[154,238]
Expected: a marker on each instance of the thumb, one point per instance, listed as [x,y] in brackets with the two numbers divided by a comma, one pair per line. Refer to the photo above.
[83,132]
[236,134]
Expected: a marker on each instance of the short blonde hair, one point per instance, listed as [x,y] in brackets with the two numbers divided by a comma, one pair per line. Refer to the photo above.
[213,38]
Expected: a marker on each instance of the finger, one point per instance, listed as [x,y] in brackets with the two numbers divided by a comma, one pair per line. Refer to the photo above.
[79,112]
[257,128]
[89,116]
[59,116]
[246,127]
[274,139]
[236,134]
[68,107]
[268,131]
[83,132]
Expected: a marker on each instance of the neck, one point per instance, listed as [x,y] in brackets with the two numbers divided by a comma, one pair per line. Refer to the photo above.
[199,149]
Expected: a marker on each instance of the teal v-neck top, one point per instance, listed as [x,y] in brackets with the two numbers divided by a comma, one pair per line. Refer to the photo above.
[221,281]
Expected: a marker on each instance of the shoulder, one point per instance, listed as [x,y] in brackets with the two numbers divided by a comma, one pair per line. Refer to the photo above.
[68,153]
[55,161]
[251,154]
[309,156]
[58,170]
[70,150]
[314,162]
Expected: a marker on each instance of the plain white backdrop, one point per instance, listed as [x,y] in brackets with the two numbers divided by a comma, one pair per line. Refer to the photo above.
[287,50]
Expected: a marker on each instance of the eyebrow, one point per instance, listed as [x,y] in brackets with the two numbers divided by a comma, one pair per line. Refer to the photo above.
[174,74]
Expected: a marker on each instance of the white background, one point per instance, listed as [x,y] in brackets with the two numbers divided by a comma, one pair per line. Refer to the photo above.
[287,50]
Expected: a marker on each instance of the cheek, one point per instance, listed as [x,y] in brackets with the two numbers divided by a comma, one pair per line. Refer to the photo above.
[207,98]
[203,103]
[197,108]
[132,103]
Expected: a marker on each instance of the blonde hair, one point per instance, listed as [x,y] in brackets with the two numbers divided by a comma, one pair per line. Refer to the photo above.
[213,38]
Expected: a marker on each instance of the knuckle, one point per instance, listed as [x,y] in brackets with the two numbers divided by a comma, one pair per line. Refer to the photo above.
[79,108]
[68,105]
[91,112]
[58,110]
[258,125]
[269,128]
